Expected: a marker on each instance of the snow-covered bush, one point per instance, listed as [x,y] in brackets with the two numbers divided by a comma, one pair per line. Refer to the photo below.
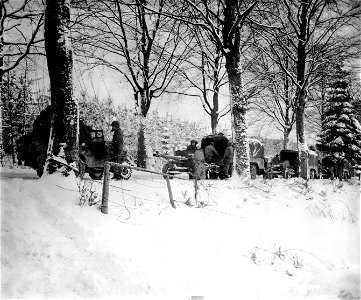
[87,193]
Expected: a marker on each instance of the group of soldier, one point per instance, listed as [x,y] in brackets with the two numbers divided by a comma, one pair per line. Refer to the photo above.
[211,154]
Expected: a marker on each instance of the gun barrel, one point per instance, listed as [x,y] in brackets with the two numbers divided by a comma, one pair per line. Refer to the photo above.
[175,157]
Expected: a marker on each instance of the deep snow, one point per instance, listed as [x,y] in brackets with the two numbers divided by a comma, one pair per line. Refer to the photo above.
[248,239]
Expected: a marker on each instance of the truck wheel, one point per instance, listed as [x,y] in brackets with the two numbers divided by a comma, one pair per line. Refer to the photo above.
[126,173]
[166,168]
[95,174]
[213,175]
[253,171]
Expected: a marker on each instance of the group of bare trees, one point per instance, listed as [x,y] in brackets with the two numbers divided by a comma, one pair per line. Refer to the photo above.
[274,56]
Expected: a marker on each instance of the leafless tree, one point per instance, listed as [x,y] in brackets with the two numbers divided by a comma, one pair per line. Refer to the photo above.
[306,30]
[225,31]
[145,48]
[20,36]
[274,100]
[205,74]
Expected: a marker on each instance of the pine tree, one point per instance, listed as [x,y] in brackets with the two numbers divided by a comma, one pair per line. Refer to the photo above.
[341,131]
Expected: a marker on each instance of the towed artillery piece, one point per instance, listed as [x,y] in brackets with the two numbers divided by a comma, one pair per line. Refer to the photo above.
[193,163]
[185,161]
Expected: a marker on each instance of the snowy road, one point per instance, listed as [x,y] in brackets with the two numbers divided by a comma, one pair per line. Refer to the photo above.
[18,173]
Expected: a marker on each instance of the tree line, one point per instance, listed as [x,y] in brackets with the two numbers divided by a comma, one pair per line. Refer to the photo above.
[272,57]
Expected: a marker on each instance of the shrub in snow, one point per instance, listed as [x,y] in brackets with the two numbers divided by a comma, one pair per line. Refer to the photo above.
[87,193]
[338,210]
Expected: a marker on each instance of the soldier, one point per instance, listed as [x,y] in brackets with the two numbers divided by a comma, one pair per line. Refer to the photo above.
[193,145]
[210,152]
[228,160]
[117,144]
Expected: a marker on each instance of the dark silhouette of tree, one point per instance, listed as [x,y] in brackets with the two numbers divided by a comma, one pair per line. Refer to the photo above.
[60,63]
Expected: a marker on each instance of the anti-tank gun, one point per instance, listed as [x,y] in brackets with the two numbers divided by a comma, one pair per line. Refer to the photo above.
[180,162]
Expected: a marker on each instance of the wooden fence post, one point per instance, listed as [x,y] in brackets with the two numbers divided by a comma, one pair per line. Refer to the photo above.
[105,195]
[170,192]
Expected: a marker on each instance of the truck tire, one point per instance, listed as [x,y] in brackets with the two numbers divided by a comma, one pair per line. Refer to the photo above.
[126,173]
[95,174]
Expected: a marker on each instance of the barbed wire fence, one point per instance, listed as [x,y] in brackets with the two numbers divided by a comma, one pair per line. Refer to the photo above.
[149,192]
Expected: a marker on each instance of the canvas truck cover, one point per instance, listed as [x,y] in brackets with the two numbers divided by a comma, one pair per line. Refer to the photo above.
[256,149]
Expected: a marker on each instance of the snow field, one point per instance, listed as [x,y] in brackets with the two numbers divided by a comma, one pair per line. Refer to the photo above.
[277,239]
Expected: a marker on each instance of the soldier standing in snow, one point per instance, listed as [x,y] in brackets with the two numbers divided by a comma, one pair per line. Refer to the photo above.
[210,152]
[228,160]
[117,144]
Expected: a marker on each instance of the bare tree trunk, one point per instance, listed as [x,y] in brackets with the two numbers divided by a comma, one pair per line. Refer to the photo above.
[142,153]
[60,63]
[214,111]
[301,93]
[286,137]
[238,102]
[142,110]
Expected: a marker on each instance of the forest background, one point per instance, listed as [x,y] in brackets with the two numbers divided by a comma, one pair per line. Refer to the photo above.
[99,81]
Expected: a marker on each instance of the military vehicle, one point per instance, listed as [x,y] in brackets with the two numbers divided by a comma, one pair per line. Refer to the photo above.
[192,161]
[94,151]
[257,159]
[97,152]
[286,164]
[335,167]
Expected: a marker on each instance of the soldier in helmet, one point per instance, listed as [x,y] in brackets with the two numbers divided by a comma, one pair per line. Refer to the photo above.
[193,145]
[117,144]
[228,160]
[210,153]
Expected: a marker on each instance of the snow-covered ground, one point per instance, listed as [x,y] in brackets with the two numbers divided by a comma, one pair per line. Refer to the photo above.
[274,239]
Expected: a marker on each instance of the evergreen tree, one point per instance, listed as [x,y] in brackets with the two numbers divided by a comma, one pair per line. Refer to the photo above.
[341,131]
[18,111]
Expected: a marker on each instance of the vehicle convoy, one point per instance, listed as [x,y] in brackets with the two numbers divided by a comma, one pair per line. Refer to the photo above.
[94,151]
[193,163]
[286,164]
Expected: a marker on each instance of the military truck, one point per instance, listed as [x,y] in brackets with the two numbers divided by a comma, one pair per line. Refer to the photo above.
[258,163]
[335,167]
[286,164]
[94,151]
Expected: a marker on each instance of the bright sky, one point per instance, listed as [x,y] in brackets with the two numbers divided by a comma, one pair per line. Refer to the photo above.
[104,85]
